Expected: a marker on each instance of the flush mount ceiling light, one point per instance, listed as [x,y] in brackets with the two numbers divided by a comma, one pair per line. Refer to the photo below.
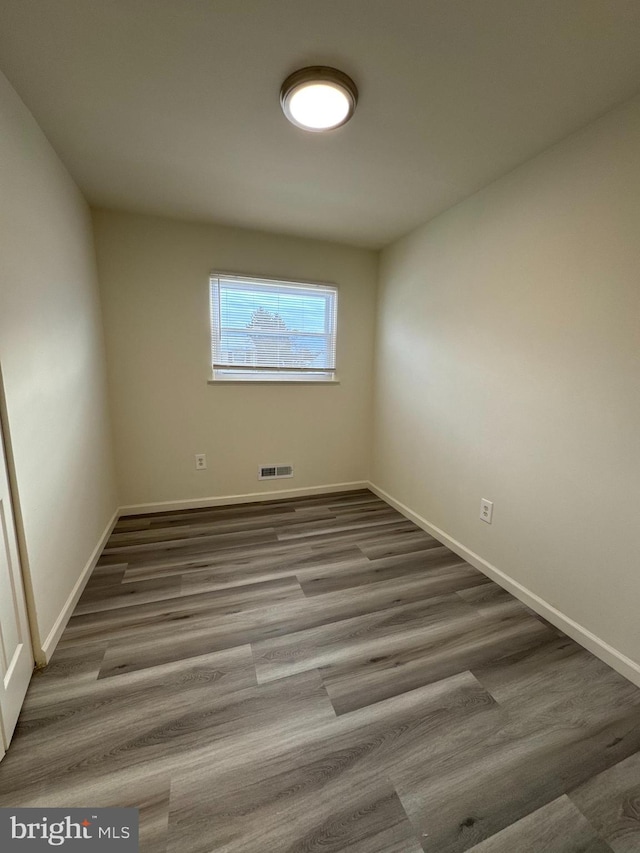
[318,98]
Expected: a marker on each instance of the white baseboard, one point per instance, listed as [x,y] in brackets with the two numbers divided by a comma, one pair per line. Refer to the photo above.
[611,656]
[43,655]
[252,497]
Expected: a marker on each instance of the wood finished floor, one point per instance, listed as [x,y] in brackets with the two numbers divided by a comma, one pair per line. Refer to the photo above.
[321,675]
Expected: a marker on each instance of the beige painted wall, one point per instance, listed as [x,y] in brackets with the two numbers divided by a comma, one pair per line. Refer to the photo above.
[52,358]
[154,278]
[508,367]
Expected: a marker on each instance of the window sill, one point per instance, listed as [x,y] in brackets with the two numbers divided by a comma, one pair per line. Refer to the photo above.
[254,381]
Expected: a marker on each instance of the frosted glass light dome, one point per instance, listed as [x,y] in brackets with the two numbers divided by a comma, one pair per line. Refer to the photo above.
[318,98]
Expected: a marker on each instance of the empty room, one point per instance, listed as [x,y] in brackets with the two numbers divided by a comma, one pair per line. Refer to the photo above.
[319,426]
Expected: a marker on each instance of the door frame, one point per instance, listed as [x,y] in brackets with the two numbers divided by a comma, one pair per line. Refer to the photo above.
[5,435]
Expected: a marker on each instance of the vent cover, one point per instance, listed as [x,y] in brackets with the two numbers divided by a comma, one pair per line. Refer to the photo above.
[274,472]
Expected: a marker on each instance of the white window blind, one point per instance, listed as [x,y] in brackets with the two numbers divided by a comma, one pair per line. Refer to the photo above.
[269,329]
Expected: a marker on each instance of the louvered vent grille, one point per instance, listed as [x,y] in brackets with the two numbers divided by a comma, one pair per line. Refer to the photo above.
[274,472]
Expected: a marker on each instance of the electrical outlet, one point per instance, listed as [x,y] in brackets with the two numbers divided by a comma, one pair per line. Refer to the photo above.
[486,510]
[201,461]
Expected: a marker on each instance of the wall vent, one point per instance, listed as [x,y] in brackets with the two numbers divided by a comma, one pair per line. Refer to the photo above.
[274,472]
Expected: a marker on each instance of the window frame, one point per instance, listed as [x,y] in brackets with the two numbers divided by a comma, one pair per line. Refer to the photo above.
[220,373]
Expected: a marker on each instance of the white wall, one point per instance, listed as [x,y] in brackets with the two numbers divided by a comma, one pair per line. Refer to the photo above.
[51,353]
[154,276]
[508,367]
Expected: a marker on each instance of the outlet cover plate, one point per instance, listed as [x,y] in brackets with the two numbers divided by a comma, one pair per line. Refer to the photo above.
[486,510]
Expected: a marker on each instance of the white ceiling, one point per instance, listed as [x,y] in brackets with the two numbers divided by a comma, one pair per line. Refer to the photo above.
[171,106]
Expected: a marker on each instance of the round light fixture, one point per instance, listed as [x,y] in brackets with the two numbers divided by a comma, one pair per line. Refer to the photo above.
[318,98]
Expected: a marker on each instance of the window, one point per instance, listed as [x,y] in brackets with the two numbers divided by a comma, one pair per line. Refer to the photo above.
[270,330]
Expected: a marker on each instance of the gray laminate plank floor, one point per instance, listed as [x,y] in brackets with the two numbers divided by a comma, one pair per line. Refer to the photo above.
[320,674]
